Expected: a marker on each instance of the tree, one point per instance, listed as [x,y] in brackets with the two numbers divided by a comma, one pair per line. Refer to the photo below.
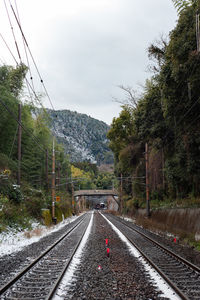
[11,83]
[121,132]
[130,97]
[166,115]
[181,5]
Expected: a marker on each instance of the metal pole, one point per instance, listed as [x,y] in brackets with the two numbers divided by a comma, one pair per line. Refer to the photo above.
[19,144]
[53,182]
[147,180]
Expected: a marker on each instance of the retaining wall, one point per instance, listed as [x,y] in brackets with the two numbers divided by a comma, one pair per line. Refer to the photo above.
[178,221]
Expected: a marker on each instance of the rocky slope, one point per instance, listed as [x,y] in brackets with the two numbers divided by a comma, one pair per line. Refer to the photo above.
[83,137]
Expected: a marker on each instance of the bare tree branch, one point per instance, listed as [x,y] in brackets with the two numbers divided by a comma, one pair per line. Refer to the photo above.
[131,98]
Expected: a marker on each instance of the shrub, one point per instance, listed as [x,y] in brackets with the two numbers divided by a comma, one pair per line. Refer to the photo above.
[34,206]
[13,192]
[46,217]
[14,216]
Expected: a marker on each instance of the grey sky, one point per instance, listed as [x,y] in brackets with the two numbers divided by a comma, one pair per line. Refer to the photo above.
[85,48]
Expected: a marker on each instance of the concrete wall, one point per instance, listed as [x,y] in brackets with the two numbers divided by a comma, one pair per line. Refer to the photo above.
[178,221]
[112,204]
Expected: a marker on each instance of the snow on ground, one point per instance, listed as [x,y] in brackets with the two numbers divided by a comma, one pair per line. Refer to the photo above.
[13,241]
[128,219]
[161,284]
[68,277]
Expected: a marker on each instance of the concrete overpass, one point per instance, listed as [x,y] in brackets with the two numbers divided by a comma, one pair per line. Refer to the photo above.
[95,193]
[111,198]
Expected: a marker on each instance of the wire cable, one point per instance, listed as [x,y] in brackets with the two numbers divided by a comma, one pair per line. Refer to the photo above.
[27,59]
[23,127]
[13,142]
[13,33]
[34,62]
[9,49]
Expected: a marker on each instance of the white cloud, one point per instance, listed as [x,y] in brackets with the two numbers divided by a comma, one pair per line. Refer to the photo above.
[85,48]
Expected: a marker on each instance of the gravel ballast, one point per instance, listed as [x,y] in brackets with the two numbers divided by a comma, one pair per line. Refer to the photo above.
[119,276]
[13,263]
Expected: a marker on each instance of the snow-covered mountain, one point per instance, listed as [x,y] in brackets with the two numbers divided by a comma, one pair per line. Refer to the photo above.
[83,137]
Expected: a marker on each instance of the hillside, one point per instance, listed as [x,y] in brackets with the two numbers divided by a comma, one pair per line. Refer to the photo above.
[83,137]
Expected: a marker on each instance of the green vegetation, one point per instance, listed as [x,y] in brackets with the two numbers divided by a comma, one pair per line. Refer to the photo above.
[166,117]
[87,176]
[182,4]
[20,204]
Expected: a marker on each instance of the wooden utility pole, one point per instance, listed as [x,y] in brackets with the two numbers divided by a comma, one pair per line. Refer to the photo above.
[197,31]
[73,202]
[163,172]
[147,180]
[113,185]
[46,170]
[53,184]
[121,196]
[19,155]
[58,182]
[66,182]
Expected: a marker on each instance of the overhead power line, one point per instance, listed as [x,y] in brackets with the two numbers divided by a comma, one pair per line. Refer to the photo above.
[27,59]
[24,128]
[34,62]
[12,29]
[8,48]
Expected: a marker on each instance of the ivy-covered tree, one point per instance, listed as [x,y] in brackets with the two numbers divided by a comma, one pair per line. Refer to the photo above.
[166,115]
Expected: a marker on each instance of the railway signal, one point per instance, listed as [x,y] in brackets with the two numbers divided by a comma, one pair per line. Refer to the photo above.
[108,252]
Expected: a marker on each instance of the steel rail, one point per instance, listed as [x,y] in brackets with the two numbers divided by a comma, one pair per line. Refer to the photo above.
[26,269]
[166,278]
[56,285]
[183,260]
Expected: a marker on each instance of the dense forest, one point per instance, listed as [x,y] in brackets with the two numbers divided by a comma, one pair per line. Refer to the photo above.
[166,117]
[26,170]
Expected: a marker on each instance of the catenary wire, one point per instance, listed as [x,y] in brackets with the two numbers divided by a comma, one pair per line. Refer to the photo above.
[34,62]
[25,42]
[12,29]
[24,128]
[27,59]
[13,142]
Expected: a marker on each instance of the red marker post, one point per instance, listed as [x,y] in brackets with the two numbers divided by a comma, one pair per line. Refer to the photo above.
[106,242]
[174,240]
[108,252]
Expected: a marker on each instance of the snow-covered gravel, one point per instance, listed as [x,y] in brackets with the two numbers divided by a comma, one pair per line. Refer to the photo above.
[76,261]
[155,277]
[13,241]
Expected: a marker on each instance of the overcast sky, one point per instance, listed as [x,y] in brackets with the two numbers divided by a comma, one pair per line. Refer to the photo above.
[84,49]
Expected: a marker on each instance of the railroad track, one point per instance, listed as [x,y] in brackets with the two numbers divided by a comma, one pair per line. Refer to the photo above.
[181,275]
[41,278]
